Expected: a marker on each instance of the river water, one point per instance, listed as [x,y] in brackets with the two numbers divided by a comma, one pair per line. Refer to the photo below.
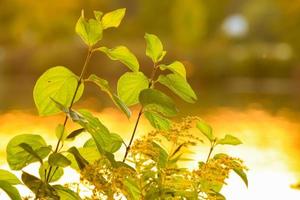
[270,146]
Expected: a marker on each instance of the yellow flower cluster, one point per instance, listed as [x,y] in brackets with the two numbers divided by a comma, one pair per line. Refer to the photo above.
[106,179]
[179,133]
[212,175]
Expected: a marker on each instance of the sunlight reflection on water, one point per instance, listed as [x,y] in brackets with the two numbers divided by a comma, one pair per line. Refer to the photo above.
[270,147]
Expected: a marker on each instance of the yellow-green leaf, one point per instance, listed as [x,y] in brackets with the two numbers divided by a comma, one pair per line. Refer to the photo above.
[57,159]
[122,54]
[113,18]
[157,121]
[9,177]
[154,48]
[205,130]
[90,31]
[104,86]
[58,83]
[18,157]
[229,140]
[66,194]
[154,100]
[10,190]
[130,85]
[176,67]
[55,174]
[179,86]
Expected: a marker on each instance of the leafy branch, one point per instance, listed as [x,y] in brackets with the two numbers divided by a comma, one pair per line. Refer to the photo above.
[151,83]
[87,59]
[58,89]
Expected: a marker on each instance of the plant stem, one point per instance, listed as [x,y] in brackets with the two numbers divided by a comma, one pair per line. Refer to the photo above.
[211,150]
[151,83]
[87,59]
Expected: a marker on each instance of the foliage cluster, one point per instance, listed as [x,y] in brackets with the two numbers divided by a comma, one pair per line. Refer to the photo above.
[150,167]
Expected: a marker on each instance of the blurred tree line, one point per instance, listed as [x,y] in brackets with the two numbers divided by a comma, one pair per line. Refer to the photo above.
[262,60]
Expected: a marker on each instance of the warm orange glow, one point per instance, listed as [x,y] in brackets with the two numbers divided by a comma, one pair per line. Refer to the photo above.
[270,146]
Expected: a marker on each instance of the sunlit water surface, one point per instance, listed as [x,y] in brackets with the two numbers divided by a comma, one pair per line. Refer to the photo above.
[271,147]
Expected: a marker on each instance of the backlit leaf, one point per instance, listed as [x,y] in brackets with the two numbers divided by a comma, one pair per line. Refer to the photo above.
[113,18]
[58,83]
[18,158]
[154,100]
[65,193]
[105,141]
[176,67]
[9,177]
[90,30]
[10,190]
[98,15]
[38,187]
[229,140]
[55,174]
[57,159]
[242,175]
[205,130]
[179,86]
[130,85]
[122,54]
[154,48]
[75,133]
[132,188]
[104,86]
[157,121]
[81,161]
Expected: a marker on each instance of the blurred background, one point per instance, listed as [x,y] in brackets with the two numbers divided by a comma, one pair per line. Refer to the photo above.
[237,52]
[242,59]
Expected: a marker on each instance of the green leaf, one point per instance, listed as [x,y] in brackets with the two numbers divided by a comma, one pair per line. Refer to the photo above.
[81,161]
[57,159]
[179,86]
[154,48]
[104,86]
[89,154]
[229,140]
[154,100]
[105,141]
[58,83]
[90,31]
[10,190]
[90,143]
[242,175]
[206,130]
[116,144]
[75,133]
[132,188]
[18,157]
[65,193]
[163,155]
[38,187]
[98,15]
[176,67]
[122,54]
[113,18]
[60,132]
[55,174]
[28,148]
[130,85]
[9,177]
[157,121]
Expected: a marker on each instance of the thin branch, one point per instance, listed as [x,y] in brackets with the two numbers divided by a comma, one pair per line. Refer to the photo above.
[211,150]
[151,83]
[88,57]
